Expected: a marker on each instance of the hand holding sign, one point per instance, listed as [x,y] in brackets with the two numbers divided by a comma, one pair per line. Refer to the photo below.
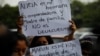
[73,26]
[19,24]
[73,29]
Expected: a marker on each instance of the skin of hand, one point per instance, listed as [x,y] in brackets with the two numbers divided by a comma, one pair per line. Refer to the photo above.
[19,24]
[73,29]
[73,26]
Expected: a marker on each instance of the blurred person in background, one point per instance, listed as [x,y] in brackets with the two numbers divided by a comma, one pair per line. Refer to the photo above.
[12,44]
[96,50]
[86,46]
[40,41]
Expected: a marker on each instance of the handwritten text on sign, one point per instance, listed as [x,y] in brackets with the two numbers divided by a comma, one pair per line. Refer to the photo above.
[71,48]
[45,17]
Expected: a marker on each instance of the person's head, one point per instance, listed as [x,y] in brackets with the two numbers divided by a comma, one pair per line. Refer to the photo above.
[20,46]
[41,40]
[13,45]
[96,31]
[87,47]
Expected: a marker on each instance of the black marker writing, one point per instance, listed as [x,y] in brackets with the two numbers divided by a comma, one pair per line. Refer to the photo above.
[56,6]
[54,18]
[30,21]
[42,14]
[61,11]
[36,26]
[51,30]
[40,49]
[46,26]
[27,5]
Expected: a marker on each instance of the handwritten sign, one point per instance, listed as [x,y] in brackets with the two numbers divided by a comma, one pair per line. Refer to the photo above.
[45,17]
[71,48]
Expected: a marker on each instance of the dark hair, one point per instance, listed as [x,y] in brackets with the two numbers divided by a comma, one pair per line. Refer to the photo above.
[96,30]
[33,43]
[8,43]
[86,44]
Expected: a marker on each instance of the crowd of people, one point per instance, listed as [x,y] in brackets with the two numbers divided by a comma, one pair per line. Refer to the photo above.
[16,44]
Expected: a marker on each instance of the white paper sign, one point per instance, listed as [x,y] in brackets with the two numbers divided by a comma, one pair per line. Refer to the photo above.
[71,48]
[45,17]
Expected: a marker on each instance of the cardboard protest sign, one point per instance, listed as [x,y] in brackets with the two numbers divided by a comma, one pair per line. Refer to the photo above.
[71,48]
[45,17]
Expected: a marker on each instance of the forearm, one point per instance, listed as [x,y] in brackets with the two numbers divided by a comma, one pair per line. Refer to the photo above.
[71,36]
